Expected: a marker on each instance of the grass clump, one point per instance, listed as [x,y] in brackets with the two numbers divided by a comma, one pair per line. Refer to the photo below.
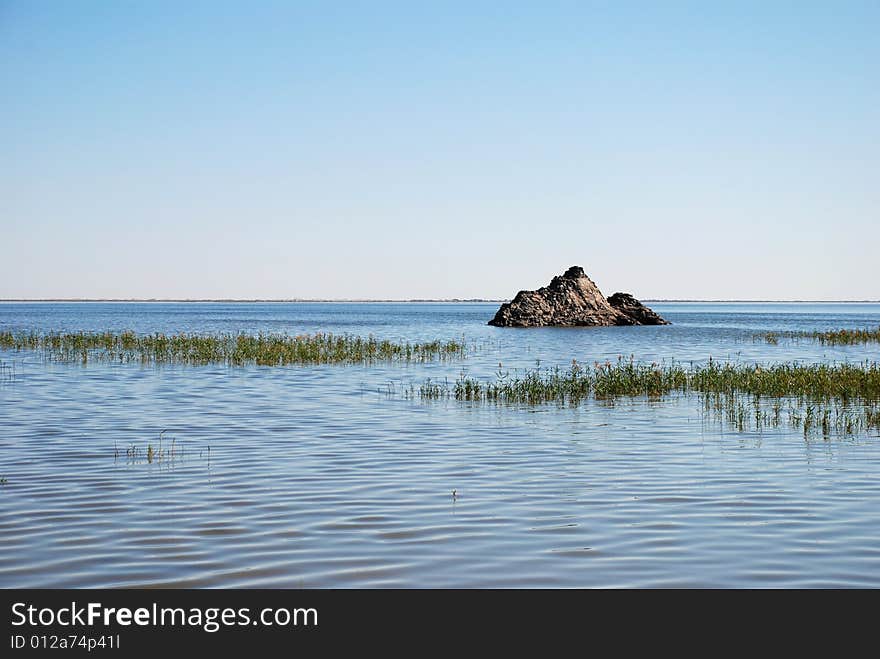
[629,378]
[841,337]
[231,349]
[826,398]
[825,417]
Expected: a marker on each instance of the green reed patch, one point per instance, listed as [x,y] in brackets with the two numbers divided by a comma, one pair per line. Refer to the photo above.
[826,398]
[628,378]
[232,349]
[841,337]
[825,417]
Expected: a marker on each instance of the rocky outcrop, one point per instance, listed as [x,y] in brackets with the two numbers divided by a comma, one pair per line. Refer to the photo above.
[627,304]
[573,300]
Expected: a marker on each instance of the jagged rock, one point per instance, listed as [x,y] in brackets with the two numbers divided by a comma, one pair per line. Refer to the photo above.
[573,300]
[634,309]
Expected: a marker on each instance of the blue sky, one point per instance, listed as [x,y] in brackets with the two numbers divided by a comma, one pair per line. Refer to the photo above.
[395,150]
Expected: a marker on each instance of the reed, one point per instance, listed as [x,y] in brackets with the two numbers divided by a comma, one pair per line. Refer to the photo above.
[7,372]
[164,451]
[825,418]
[841,337]
[843,398]
[231,349]
[627,378]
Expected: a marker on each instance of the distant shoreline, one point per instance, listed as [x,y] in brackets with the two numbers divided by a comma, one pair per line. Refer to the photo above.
[231,300]
[772,301]
[411,301]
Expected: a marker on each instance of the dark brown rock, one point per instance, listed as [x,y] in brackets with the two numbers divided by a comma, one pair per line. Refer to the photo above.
[573,300]
[636,310]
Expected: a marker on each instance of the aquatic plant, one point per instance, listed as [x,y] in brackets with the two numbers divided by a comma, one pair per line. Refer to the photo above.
[814,418]
[7,372]
[841,337]
[629,378]
[232,349]
[843,397]
[163,452]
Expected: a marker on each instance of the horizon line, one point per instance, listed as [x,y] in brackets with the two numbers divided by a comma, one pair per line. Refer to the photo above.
[413,300]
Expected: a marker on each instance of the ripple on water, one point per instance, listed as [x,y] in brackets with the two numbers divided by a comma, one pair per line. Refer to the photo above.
[316,477]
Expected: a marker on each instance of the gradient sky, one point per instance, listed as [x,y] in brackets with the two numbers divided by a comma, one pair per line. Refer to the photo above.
[393,150]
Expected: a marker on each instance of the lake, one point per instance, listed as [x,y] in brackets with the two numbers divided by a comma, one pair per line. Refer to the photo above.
[334,476]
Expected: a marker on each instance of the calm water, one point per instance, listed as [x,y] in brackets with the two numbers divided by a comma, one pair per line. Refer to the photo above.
[330,477]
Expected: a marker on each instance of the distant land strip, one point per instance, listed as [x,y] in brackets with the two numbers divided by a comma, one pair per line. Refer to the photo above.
[769,301]
[412,300]
[287,300]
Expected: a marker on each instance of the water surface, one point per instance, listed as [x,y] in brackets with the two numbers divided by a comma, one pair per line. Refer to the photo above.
[330,476]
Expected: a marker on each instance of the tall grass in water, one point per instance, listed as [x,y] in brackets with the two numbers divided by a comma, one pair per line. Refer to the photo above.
[824,417]
[629,378]
[841,337]
[827,397]
[234,349]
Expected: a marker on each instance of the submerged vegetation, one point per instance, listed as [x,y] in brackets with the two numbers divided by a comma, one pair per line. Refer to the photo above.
[233,349]
[826,398]
[7,372]
[821,417]
[163,452]
[842,398]
[628,378]
[841,337]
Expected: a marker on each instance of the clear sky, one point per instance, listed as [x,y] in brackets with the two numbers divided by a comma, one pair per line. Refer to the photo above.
[400,150]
